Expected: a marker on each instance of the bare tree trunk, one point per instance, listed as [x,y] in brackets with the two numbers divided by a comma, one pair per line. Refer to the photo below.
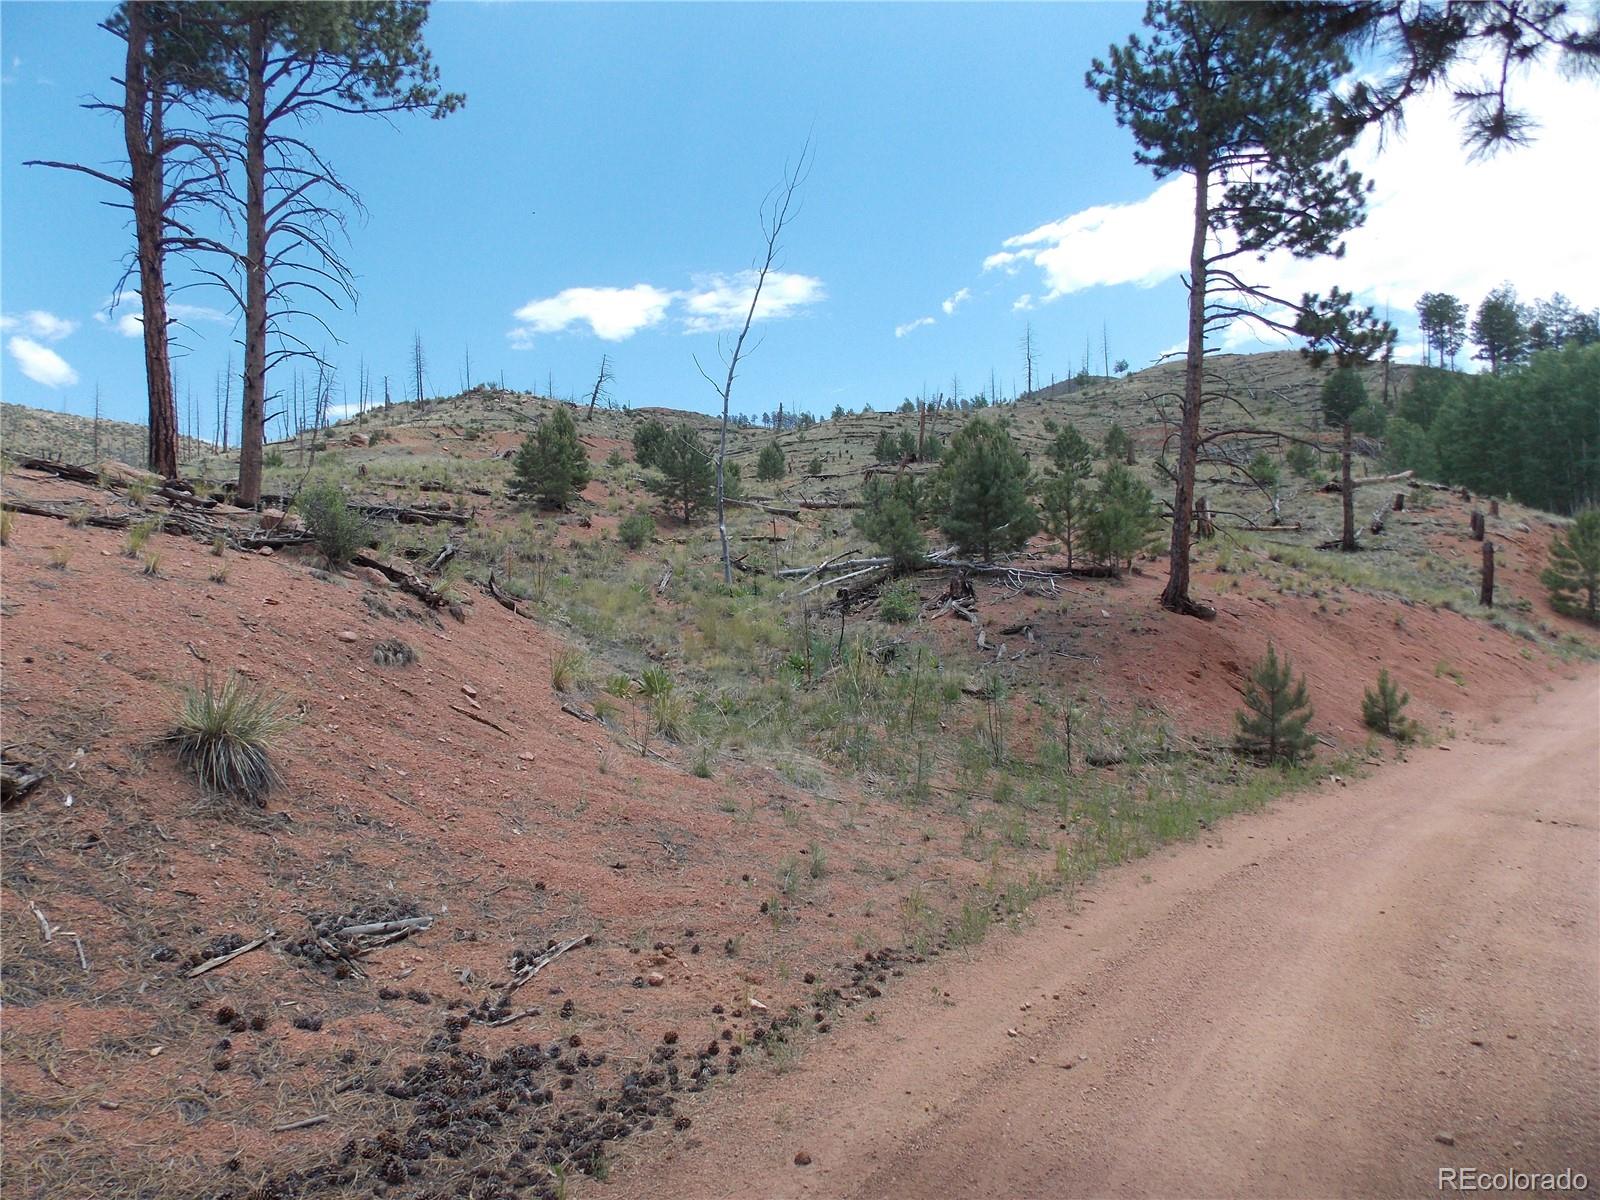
[252,430]
[146,176]
[1176,594]
[1486,588]
[1347,495]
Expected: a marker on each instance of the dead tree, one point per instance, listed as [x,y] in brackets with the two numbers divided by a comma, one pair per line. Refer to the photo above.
[776,212]
[1486,586]
[601,381]
[1477,525]
[1399,502]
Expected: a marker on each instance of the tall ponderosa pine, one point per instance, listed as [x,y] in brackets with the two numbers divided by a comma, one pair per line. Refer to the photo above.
[1276,713]
[1343,395]
[982,485]
[1442,319]
[172,55]
[687,473]
[1573,575]
[1242,111]
[552,466]
[1499,330]
[290,66]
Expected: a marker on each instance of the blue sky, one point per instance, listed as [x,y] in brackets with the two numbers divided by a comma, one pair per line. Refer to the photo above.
[604,177]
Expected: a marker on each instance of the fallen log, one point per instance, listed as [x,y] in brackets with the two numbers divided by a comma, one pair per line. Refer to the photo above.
[1333,485]
[64,470]
[408,582]
[100,520]
[504,599]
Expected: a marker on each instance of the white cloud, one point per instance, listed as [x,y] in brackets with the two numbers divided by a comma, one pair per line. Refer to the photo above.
[38,324]
[131,324]
[40,363]
[720,302]
[713,303]
[900,331]
[1436,221]
[955,301]
[612,314]
[1022,303]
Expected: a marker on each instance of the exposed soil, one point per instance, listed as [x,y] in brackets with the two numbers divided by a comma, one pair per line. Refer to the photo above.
[1339,997]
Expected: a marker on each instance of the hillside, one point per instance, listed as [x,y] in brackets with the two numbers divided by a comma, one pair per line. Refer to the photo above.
[65,437]
[744,818]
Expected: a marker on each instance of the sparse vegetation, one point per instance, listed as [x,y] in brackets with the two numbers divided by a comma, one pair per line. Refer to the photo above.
[636,530]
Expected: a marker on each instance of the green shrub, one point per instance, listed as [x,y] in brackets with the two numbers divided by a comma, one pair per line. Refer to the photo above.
[770,464]
[339,530]
[552,465]
[272,458]
[636,529]
[566,666]
[899,603]
[1383,710]
[1573,576]
[223,736]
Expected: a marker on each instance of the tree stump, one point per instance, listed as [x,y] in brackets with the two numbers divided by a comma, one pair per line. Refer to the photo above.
[1486,589]
[1477,525]
[1399,502]
[1494,508]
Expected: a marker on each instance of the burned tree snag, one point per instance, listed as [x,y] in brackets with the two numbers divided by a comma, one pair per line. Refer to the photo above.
[1399,502]
[1486,589]
[1477,525]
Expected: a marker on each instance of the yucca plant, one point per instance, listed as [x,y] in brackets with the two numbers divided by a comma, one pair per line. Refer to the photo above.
[223,734]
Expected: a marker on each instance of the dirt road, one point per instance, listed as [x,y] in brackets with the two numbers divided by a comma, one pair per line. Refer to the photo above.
[1335,998]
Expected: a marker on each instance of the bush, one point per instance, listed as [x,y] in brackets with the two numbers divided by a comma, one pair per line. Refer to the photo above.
[899,603]
[1279,710]
[636,529]
[688,476]
[814,467]
[982,487]
[551,466]
[1121,517]
[340,531]
[566,667]
[1383,710]
[223,735]
[616,459]
[1301,459]
[770,465]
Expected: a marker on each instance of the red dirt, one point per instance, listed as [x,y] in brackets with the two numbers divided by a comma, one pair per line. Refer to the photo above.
[1336,998]
[394,792]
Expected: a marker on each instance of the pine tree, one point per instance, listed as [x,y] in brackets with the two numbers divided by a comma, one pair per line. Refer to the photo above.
[1118,445]
[551,466]
[982,484]
[1573,575]
[1499,330]
[1343,395]
[1274,727]
[888,520]
[1213,94]
[886,448]
[1383,710]
[687,475]
[1121,518]
[648,437]
[770,465]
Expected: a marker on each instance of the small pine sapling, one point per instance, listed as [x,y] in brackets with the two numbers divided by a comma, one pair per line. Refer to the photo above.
[1383,710]
[1278,710]
[1573,576]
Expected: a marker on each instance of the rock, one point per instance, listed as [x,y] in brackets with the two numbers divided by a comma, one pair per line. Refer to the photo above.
[356,439]
[756,1005]
[1012,1033]
[370,576]
[525,756]
[346,635]
[229,510]
[655,979]
[470,692]
[1445,1139]
[271,518]
[802,1159]
[265,551]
